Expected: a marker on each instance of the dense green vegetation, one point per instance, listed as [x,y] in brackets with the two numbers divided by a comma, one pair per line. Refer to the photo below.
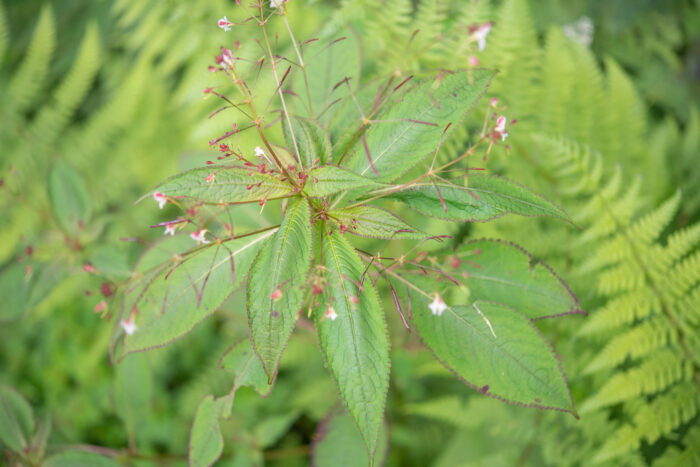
[102,101]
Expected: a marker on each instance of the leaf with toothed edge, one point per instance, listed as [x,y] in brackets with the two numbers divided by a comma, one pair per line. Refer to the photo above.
[374,222]
[412,129]
[175,296]
[16,419]
[355,345]
[280,268]
[329,179]
[486,197]
[496,270]
[246,366]
[337,442]
[494,349]
[312,140]
[229,184]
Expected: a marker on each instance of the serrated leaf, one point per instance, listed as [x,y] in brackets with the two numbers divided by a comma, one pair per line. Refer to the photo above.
[355,344]
[338,59]
[329,179]
[16,420]
[206,443]
[69,197]
[246,366]
[412,129]
[230,184]
[371,221]
[495,349]
[504,272]
[337,442]
[486,197]
[174,296]
[131,400]
[78,459]
[312,141]
[281,266]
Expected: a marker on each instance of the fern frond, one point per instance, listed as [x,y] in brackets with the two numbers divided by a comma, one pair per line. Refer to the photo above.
[684,275]
[681,242]
[667,412]
[31,75]
[688,455]
[639,341]
[620,311]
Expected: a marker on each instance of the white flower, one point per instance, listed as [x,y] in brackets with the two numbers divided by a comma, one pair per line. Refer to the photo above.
[169,229]
[260,152]
[198,236]
[500,129]
[160,198]
[276,3]
[437,306]
[225,24]
[128,326]
[479,35]
[330,313]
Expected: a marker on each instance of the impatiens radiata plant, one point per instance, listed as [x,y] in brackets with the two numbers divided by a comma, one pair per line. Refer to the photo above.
[336,157]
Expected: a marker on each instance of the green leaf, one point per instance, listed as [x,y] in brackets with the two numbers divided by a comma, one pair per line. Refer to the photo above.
[486,197]
[206,442]
[337,59]
[355,344]
[272,428]
[78,459]
[371,221]
[503,272]
[16,420]
[494,349]
[246,366]
[230,184]
[337,442]
[412,129]
[172,297]
[280,267]
[15,286]
[329,179]
[312,141]
[132,400]
[69,197]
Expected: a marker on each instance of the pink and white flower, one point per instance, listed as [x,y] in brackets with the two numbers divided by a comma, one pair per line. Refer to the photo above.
[330,313]
[160,198]
[225,24]
[198,236]
[479,34]
[277,3]
[129,326]
[169,229]
[260,152]
[437,306]
[500,129]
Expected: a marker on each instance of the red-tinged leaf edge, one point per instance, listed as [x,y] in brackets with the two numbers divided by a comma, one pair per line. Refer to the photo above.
[574,310]
[484,390]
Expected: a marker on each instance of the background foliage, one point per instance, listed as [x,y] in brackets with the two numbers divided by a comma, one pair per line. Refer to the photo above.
[102,100]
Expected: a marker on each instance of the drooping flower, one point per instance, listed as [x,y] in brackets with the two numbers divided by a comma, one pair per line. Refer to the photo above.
[129,326]
[479,34]
[198,236]
[169,229]
[160,198]
[437,306]
[330,313]
[260,152]
[225,24]
[500,129]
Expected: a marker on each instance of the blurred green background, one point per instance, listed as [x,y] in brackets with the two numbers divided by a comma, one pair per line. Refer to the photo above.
[100,100]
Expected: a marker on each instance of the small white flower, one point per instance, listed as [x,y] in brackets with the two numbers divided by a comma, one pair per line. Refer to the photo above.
[198,236]
[437,306]
[479,35]
[330,313]
[225,24]
[169,229]
[260,152]
[276,3]
[500,129]
[160,198]
[128,326]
